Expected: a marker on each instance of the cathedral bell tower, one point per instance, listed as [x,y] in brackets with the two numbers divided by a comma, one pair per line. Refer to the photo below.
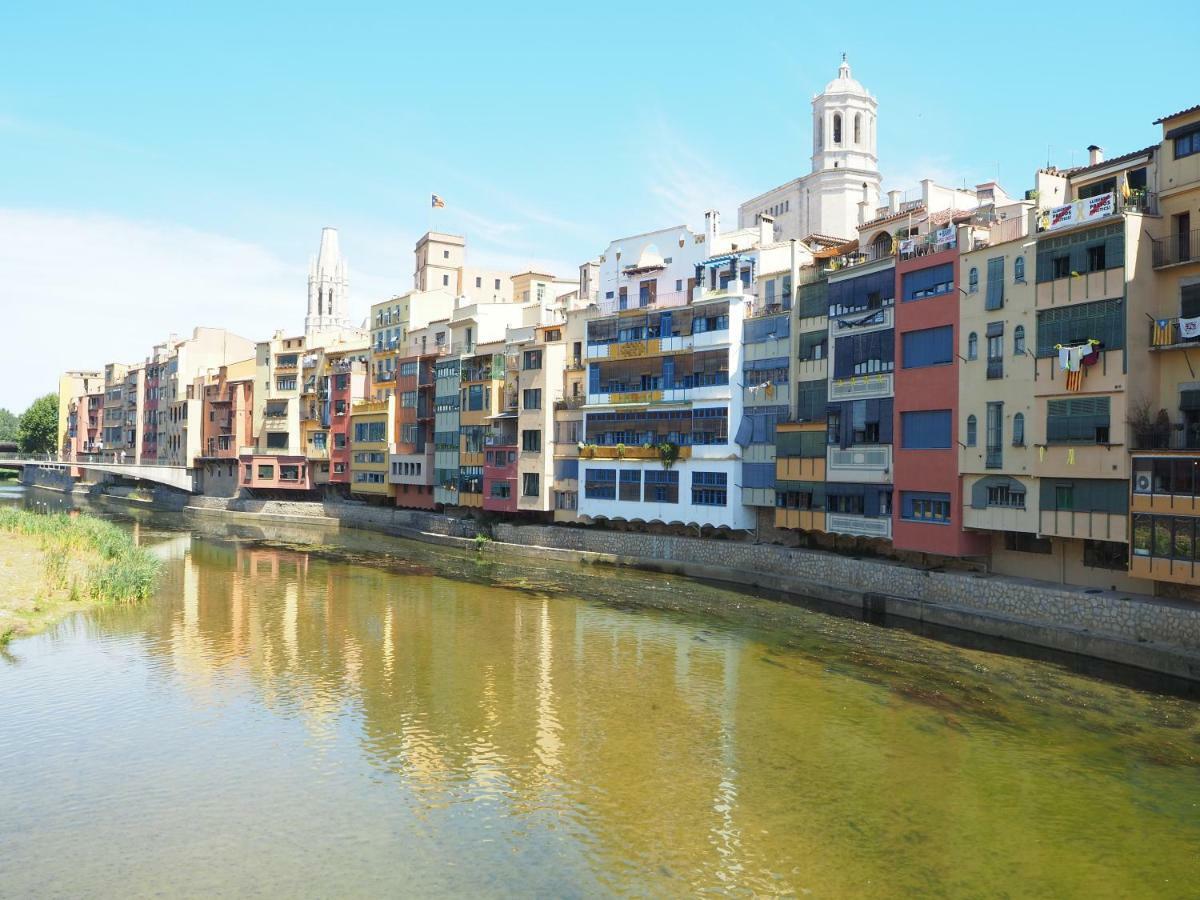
[327,284]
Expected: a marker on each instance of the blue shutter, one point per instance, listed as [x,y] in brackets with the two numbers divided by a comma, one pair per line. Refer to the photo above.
[925,429]
[593,378]
[668,373]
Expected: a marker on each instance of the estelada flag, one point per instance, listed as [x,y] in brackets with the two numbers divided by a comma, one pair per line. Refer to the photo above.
[437,202]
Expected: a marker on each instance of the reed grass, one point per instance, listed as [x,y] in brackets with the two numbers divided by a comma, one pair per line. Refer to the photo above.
[117,571]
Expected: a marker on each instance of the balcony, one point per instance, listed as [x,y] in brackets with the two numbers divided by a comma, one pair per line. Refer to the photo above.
[664,300]
[576,365]
[1175,436]
[675,395]
[995,368]
[861,387]
[869,254]
[994,458]
[382,377]
[591,451]
[1094,209]
[1164,335]
[840,523]
[570,402]
[1176,249]
[862,464]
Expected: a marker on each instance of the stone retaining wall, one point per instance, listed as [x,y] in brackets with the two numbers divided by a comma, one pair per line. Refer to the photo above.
[1132,618]
[354,515]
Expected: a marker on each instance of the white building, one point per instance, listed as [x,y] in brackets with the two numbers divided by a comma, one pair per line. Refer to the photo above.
[845,169]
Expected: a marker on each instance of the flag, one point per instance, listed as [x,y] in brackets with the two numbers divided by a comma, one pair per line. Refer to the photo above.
[1075,380]
[437,202]
[1162,333]
[1070,456]
[1125,191]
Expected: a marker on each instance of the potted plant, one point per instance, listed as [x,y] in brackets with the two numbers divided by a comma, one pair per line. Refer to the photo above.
[620,451]
[668,452]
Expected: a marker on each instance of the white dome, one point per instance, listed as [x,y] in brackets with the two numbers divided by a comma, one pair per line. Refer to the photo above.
[844,84]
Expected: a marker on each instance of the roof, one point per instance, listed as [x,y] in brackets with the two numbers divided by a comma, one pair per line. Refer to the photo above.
[1078,170]
[1175,115]
[896,215]
[830,252]
[827,240]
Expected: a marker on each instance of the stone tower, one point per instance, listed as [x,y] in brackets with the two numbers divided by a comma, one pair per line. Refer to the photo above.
[327,284]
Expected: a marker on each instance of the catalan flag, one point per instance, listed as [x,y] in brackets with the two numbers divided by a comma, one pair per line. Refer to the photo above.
[437,202]
[1162,334]
[1075,380]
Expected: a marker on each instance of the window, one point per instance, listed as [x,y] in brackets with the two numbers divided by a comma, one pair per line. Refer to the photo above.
[1019,341]
[925,429]
[1064,496]
[630,485]
[1019,270]
[408,399]
[531,484]
[918,506]
[708,488]
[858,128]
[266,473]
[1006,496]
[837,128]
[995,350]
[995,283]
[445,254]
[995,435]
[661,486]
[972,346]
[531,440]
[277,440]
[475,397]
[1187,143]
[1095,258]
[532,398]
[478,282]
[1021,542]
[814,345]
[973,281]
[286,384]
[532,359]
[501,490]
[1019,430]
[339,440]
[445,281]
[927,347]
[1079,420]
[928,282]
[1076,323]
[289,473]
[600,484]
[864,354]
[1086,251]
[339,468]
[370,432]
[972,430]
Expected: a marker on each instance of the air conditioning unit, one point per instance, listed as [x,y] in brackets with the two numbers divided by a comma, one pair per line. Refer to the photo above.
[1141,484]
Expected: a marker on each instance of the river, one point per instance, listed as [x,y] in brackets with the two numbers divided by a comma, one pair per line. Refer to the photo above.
[319,713]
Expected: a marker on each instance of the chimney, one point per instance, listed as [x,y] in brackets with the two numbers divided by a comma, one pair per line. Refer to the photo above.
[766,230]
[1095,155]
[712,227]
[894,201]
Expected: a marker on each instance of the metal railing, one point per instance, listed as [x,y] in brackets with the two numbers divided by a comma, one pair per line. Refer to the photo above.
[1175,436]
[665,300]
[995,458]
[995,368]
[1181,247]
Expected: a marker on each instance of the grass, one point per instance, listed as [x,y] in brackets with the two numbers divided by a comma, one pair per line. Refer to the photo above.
[56,563]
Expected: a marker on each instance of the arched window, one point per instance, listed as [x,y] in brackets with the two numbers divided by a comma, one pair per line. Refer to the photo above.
[820,134]
[973,346]
[837,128]
[1019,341]
[881,247]
[972,427]
[1019,269]
[1019,430]
[973,281]
[858,128]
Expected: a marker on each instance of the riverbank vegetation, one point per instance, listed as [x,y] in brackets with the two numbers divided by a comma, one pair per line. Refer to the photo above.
[51,565]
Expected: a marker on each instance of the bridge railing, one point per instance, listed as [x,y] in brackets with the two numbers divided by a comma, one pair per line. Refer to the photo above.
[106,458]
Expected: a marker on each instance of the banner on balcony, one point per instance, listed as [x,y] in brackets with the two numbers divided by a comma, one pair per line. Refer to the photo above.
[1097,207]
[908,246]
[1062,216]
[945,235]
[1189,328]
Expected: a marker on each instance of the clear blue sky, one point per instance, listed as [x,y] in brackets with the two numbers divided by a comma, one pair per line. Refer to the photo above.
[164,168]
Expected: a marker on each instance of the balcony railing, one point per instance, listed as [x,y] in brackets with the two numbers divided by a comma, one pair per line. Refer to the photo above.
[1176,436]
[659,301]
[1164,333]
[995,368]
[1181,247]
[994,458]
[868,254]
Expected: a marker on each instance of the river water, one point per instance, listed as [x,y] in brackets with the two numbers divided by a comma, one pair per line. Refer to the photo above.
[317,713]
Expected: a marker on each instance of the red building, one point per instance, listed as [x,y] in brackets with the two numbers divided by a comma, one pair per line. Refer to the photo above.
[928,499]
[411,468]
[500,470]
[349,380]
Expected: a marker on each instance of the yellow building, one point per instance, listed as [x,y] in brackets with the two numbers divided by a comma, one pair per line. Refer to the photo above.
[371,428]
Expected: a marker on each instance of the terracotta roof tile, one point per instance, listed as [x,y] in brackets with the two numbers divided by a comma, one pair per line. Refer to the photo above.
[1182,112]
[1116,159]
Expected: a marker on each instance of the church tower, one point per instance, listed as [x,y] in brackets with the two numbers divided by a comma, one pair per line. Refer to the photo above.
[327,286]
[845,164]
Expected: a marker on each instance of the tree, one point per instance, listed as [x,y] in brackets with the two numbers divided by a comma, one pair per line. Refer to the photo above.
[37,431]
[8,425]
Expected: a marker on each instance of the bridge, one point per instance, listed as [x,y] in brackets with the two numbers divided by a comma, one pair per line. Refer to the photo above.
[179,477]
